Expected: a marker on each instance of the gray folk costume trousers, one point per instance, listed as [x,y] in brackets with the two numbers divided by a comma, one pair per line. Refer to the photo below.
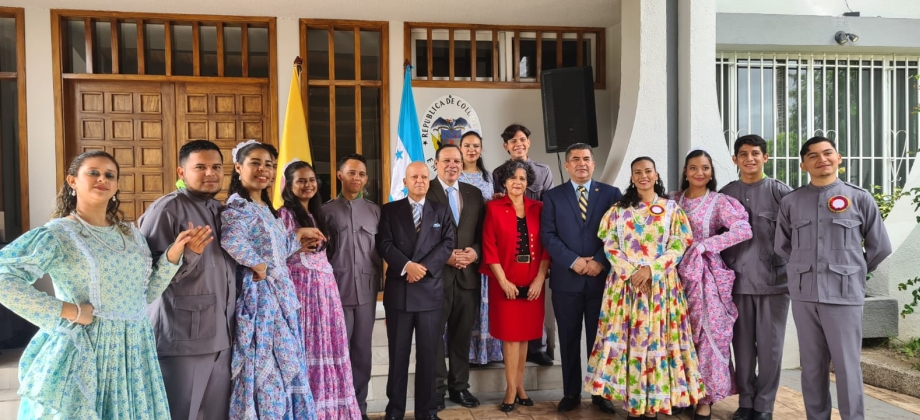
[359,325]
[760,332]
[830,333]
[198,387]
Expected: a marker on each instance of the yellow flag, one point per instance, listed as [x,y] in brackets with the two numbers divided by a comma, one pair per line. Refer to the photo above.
[294,143]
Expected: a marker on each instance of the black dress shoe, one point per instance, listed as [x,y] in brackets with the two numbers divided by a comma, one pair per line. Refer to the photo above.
[464,398]
[602,404]
[675,411]
[568,403]
[540,358]
[697,416]
[756,415]
[526,402]
[389,417]
[506,408]
[742,413]
[431,417]
[440,401]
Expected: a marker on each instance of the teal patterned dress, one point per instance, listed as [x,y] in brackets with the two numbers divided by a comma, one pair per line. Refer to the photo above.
[108,369]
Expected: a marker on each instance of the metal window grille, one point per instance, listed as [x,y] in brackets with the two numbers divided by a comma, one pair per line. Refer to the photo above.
[867,104]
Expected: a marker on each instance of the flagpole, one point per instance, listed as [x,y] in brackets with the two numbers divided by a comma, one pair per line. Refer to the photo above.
[298,65]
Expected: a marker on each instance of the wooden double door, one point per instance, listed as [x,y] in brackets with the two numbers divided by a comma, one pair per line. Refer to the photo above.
[143,125]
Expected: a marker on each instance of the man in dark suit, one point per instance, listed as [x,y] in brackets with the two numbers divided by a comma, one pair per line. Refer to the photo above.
[461,274]
[570,220]
[415,238]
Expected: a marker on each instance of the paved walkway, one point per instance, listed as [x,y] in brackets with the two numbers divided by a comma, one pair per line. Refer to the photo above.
[880,404]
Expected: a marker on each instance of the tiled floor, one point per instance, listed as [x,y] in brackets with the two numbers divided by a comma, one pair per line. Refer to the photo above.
[789,405]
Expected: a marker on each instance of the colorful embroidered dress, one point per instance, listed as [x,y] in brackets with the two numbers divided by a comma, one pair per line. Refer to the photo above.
[483,347]
[642,353]
[322,323]
[108,369]
[708,285]
[269,368]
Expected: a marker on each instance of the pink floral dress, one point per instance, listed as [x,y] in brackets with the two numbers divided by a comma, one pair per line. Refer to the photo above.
[708,285]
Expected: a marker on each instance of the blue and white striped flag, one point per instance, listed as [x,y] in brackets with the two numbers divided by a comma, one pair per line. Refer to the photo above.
[408,141]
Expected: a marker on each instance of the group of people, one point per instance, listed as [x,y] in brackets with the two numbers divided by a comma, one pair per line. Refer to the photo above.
[239,310]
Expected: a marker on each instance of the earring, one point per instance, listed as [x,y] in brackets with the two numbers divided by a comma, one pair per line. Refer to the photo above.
[114,199]
[73,192]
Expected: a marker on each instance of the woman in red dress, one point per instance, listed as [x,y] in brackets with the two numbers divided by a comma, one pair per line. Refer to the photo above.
[516,264]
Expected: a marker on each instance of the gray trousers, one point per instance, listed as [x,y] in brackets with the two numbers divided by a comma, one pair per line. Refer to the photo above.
[545,343]
[830,333]
[459,312]
[198,387]
[758,343]
[359,325]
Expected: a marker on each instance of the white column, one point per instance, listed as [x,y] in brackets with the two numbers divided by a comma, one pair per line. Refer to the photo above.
[40,116]
[288,47]
[699,124]
[642,119]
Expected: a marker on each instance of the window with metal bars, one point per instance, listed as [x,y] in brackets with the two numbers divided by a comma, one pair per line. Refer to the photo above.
[866,103]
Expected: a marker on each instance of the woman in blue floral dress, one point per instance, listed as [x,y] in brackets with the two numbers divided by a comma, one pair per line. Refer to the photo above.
[94,356]
[483,347]
[269,366]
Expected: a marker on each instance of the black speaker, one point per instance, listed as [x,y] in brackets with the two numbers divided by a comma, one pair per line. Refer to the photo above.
[568,108]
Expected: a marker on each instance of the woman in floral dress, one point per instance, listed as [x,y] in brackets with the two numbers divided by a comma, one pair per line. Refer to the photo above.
[707,281]
[483,347]
[321,317]
[643,354]
[269,367]
[94,356]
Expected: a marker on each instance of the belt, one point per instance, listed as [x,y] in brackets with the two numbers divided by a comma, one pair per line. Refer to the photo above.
[523,258]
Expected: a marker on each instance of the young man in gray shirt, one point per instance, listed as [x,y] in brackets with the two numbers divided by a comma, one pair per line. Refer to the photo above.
[832,234]
[193,320]
[760,290]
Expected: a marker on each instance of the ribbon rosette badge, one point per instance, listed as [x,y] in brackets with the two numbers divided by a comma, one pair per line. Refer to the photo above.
[838,204]
[656,210]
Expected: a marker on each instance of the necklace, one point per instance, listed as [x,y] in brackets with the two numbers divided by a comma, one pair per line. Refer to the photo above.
[701,199]
[89,228]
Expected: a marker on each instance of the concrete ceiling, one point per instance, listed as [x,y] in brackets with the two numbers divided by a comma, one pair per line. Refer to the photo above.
[594,13]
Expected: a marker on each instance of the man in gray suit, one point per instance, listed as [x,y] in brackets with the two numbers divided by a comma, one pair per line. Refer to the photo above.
[832,234]
[352,221]
[460,275]
[193,319]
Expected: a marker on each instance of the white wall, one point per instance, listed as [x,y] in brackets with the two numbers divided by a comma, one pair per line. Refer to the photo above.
[909,9]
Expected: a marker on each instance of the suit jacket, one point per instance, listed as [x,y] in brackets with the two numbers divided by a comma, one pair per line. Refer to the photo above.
[567,237]
[467,234]
[500,237]
[398,244]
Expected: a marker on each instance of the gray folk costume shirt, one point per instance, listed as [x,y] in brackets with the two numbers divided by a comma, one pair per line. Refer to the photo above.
[543,181]
[195,314]
[352,252]
[758,270]
[822,231]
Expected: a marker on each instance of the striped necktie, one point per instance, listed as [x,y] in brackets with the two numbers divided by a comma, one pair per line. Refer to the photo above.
[417,216]
[583,202]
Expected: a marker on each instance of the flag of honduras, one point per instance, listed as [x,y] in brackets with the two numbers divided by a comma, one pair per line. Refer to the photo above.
[408,141]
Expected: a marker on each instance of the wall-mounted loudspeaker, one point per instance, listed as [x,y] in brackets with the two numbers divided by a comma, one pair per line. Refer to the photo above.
[568,108]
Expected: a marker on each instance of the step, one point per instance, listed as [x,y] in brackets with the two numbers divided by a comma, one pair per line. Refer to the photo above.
[9,369]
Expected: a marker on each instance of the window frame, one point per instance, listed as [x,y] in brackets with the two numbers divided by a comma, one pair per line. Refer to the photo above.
[18,14]
[506,61]
[305,83]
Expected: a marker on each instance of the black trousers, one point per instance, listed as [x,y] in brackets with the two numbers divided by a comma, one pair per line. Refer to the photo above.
[428,328]
[459,312]
[573,309]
